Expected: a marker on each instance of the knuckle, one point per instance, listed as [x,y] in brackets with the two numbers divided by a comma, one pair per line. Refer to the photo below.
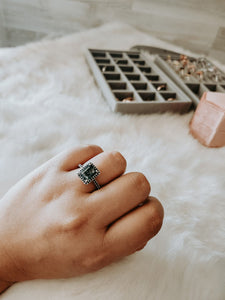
[119,159]
[141,182]
[66,154]
[95,261]
[93,149]
[71,151]
[75,223]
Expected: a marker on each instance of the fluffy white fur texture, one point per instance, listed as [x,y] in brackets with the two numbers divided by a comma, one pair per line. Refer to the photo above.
[48,101]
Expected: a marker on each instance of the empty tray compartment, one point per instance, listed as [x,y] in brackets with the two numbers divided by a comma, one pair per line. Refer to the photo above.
[146,96]
[98,54]
[160,86]
[121,61]
[107,68]
[211,87]
[152,77]
[169,96]
[145,69]
[133,76]
[140,85]
[139,62]
[133,55]
[127,69]
[124,96]
[117,85]
[116,55]
[112,76]
[195,88]
[102,61]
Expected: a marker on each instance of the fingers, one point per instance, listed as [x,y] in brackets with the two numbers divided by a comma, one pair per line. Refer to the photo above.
[132,231]
[70,159]
[110,164]
[119,197]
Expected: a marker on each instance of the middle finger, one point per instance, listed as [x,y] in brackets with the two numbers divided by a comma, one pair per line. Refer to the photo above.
[119,197]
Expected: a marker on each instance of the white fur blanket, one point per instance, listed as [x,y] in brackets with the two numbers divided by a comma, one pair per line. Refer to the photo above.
[48,101]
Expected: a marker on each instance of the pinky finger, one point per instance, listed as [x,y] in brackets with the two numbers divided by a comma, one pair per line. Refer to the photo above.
[131,232]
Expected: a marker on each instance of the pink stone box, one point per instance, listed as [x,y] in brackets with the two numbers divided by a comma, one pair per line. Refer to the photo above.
[208,122]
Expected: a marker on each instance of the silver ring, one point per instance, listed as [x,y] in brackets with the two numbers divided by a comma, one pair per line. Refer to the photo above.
[88,173]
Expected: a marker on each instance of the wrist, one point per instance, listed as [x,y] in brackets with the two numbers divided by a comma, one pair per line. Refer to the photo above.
[4,285]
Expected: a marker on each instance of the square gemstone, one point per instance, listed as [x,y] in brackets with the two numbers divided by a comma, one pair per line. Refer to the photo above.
[88,173]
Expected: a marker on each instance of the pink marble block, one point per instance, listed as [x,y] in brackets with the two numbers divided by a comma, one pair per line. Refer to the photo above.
[208,122]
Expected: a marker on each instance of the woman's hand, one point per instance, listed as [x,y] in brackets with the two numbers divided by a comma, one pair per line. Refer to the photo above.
[52,225]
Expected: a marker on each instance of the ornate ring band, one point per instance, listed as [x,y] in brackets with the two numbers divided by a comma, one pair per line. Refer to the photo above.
[88,173]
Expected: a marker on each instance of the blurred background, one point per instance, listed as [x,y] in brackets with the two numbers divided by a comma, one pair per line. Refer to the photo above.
[197,25]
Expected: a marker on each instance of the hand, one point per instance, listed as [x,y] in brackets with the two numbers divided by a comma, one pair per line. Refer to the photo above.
[52,225]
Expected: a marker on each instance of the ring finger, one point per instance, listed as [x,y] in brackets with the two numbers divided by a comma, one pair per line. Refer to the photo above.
[110,164]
